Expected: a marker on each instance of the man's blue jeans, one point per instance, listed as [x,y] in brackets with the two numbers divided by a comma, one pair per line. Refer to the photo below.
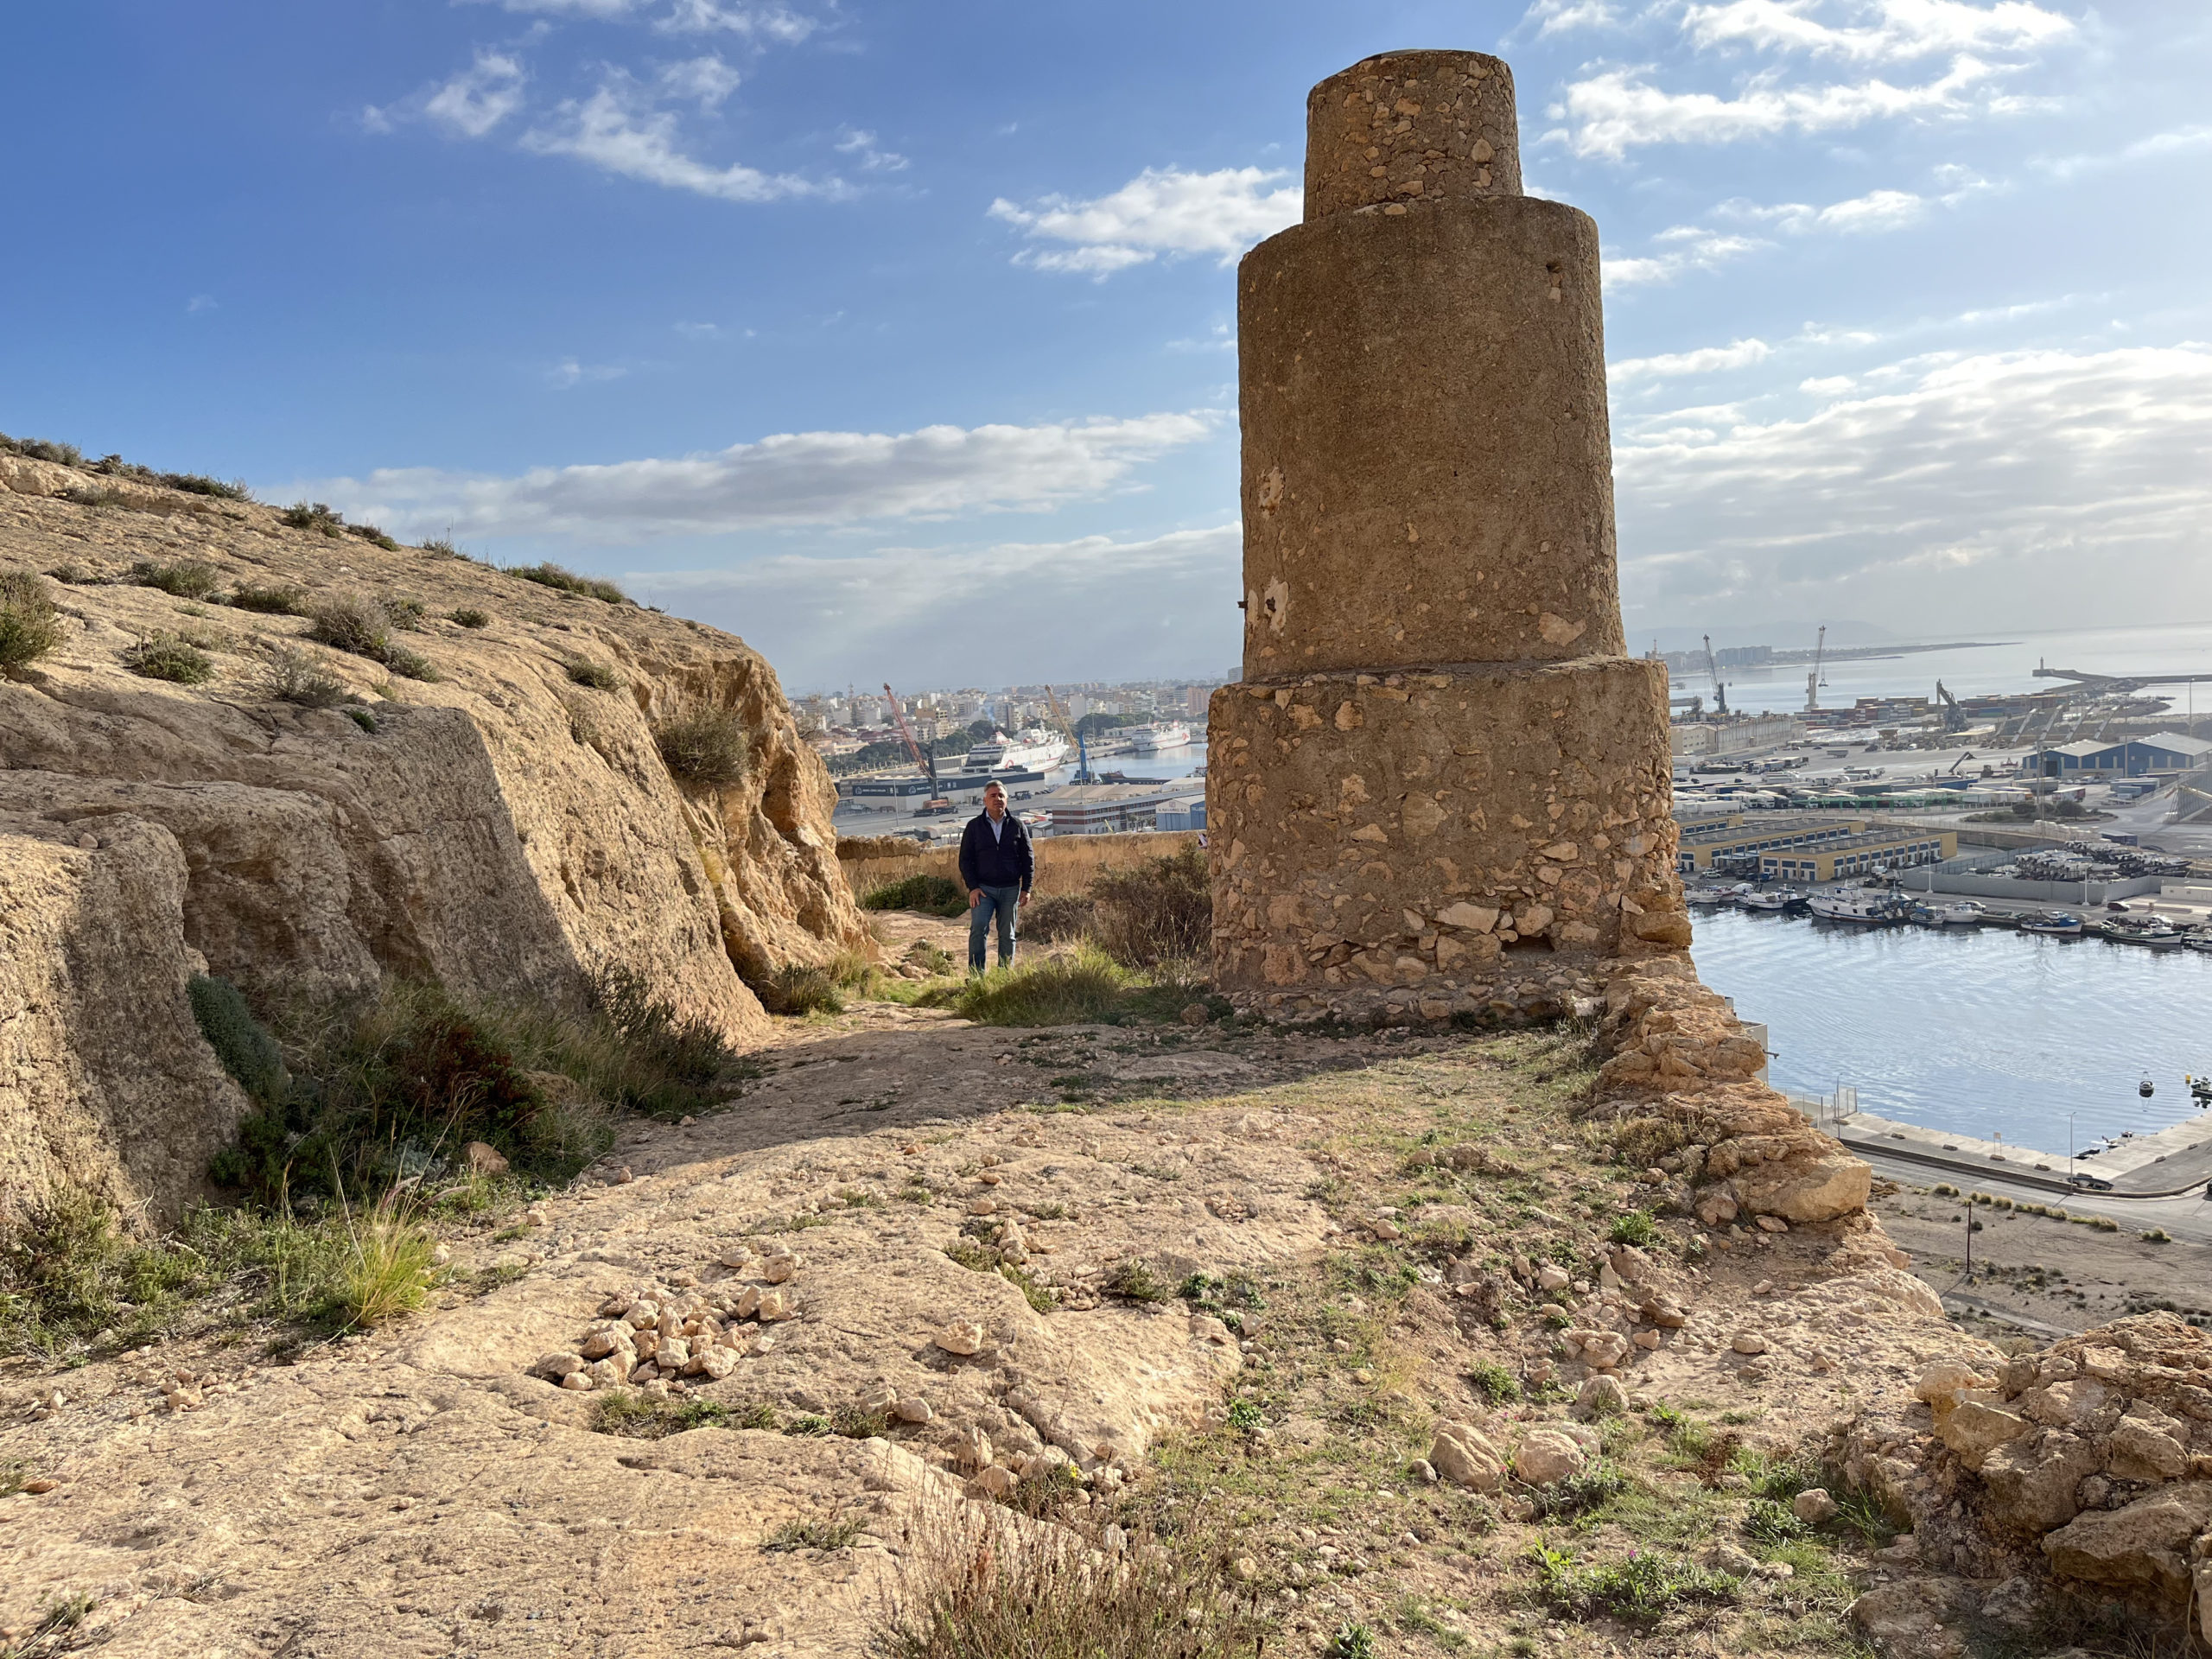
[1001,902]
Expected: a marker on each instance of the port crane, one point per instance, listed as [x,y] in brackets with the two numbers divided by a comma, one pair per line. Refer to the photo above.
[925,761]
[1082,751]
[1812,680]
[1719,691]
[1954,719]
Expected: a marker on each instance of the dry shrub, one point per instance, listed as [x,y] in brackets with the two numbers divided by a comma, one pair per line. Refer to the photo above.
[28,627]
[1643,1141]
[1058,916]
[352,624]
[297,677]
[185,579]
[980,1584]
[796,987]
[166,656]
[1161,911]
[707,747]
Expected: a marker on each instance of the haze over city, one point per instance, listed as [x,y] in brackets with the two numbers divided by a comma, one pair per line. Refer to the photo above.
[901,339]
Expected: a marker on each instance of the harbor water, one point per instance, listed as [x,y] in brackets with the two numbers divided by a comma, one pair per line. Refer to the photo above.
[1982,1032]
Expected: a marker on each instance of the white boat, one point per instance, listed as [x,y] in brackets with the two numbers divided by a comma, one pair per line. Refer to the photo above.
[1877,909]
[1032,750]
[1163,734]
[1950,912]
[1771,899]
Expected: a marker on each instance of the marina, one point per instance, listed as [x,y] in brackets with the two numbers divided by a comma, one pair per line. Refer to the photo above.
[1991,1031]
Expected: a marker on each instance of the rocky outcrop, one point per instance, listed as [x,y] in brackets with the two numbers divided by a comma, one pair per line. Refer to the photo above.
[504,823]
[2082,1471]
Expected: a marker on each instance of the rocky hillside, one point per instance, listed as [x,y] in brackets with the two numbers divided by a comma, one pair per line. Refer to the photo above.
[294,754]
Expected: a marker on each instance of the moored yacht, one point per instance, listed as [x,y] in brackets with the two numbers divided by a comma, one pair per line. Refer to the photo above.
[1162,735]
[1033,750]
[1848,905]
[2057,922]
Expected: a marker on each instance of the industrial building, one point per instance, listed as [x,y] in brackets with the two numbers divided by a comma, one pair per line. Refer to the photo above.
[1888,849]
[1104,809]
[2128,758]
[1703,845]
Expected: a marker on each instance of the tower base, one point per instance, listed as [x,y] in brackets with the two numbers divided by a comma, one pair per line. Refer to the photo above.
[1441,830]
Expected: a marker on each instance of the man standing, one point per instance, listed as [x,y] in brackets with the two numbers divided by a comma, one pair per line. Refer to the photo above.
[995,866]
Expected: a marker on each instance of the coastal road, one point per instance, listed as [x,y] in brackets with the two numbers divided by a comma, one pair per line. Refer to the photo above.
[2188,1218]
[2176,1175]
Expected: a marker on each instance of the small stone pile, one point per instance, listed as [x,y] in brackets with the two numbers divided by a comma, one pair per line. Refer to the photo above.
[656,1334]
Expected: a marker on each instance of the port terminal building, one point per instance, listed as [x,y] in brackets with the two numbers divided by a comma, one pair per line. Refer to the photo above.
[2132,757]
[1809,848]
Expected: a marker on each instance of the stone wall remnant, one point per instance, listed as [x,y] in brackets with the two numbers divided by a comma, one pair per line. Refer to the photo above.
[1441,776]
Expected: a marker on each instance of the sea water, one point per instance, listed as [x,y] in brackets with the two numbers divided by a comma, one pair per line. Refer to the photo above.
[1977,1031]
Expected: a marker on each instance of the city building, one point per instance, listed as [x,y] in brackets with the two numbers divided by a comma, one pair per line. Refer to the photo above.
[1887,848]
[1188,814]
[1102,808]
[2128,757]
[1704,846]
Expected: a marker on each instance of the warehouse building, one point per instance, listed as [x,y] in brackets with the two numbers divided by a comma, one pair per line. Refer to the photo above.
[2129,758]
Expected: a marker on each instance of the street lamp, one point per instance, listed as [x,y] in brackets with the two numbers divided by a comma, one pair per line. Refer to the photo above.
[2070,1144]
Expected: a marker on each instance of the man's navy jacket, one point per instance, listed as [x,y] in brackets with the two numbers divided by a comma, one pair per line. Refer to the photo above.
[1000,861]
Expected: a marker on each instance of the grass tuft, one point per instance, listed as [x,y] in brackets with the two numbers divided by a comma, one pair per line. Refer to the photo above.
[269,601]
[800,988]
[597,675]
[933,895]
[295,676]
[312,515]
[187,579]
[1080,987]
[469,618]
[1159,912]
[568,582]
[813,1534]
[1640,1590]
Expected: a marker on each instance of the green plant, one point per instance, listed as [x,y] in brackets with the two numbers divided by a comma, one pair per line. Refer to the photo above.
[54,1632]
[241,1042]
[641,1052]
[469,618]
[1634,1226]
[933,895]
[1859,1512]
[1494,1382]
[295,677]
[407,613]
[165,657]
[1641,1589]
[706,746]
[594,675]
[444,548]
[1078,987]
[187,579]
[362,718]
[388,1269]
[61,454]
[649,1417]
[813,1534]
[269,601]
[201,484]
[312,515]
[1766,1522]
[1245,1416]
[28,627]
[410,664]
[1598,1484]
[1133,1281]
[2157,1236]
[568,582]
[977,1588]
[370,533]
[1351,1641]
[1159,912]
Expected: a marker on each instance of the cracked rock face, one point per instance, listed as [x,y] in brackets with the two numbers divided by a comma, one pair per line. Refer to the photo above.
[504,828]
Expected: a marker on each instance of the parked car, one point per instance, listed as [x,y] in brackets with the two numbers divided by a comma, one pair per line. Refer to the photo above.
[2089,1183]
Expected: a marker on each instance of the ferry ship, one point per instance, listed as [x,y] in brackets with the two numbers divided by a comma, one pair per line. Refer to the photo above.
[1166,734]
[1033,749]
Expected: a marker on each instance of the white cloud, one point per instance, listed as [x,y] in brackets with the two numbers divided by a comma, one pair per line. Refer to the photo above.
[1877,211]
[200,302]
[619,131]
[1827,386]
[569,372]
[707,79]
[1710,360]
[1892,30]
[801,478]
[776,23]
[1162,210]
[863,146]
[469,105]
[1619,110]
[572,7]
[2006,483]
[1163,604]
[1685,247]
[1557,16]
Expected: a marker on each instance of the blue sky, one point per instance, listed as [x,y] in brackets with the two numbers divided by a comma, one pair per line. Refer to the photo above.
[900,339]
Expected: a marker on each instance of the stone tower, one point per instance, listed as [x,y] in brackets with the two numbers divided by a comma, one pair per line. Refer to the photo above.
[1441,777]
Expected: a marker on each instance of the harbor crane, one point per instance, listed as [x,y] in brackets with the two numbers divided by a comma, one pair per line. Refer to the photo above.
[925,761]
[1713,668]
[1812,680]
[1954,719]
[1082,774]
